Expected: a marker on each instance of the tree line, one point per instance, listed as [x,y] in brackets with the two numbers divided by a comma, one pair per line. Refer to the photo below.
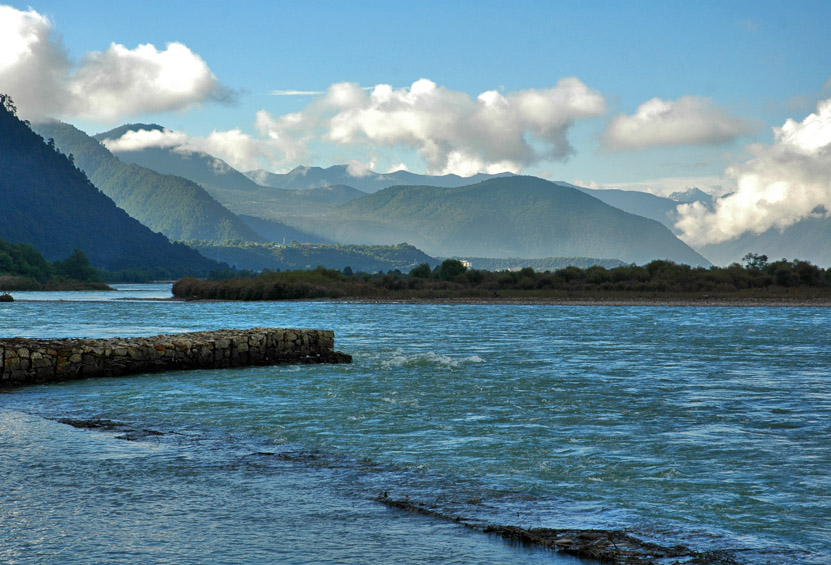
[22,267]
[452,279]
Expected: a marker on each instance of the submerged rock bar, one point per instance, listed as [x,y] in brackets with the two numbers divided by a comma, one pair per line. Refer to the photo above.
[28,361]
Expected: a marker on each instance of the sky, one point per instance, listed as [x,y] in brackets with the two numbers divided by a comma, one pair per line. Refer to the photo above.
[731,97]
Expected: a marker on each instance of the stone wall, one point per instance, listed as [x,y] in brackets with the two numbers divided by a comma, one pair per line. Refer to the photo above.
[27,361]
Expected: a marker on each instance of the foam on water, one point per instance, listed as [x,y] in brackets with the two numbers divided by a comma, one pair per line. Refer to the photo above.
[430,358]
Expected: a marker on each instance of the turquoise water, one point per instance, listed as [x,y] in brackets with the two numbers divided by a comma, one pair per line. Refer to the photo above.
[709,427]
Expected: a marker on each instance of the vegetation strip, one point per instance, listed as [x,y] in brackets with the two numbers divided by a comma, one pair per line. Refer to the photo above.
[756,281]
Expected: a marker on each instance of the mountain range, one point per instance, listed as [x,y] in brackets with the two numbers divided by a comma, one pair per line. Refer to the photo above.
[512,216]
[190,195]
[301,178]
[175,206]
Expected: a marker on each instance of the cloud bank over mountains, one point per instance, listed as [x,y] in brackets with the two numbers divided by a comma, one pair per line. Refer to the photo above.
[118,82]
[785,182]
[451,131]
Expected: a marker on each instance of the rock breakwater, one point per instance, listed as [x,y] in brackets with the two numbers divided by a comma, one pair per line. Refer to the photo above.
[27,361]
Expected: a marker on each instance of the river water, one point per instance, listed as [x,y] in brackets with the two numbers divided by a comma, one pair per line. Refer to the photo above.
[708,427]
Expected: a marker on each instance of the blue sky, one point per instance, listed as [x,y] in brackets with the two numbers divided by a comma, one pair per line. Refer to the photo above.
[745,66]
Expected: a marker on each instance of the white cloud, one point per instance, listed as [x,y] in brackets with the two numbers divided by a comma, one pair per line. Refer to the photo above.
[33,65]
[239,149]
[453,132]
[107,85]
[124,82]
[690,120]
[785,182]
[136,140]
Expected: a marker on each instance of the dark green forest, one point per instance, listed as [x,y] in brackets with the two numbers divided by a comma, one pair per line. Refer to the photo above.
[757,279]
[50,204]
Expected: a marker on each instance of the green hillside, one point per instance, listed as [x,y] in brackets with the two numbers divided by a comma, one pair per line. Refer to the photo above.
[499,218]
[174,206]
[50,204]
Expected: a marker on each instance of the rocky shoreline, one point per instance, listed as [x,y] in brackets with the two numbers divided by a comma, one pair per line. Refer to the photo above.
[605,546]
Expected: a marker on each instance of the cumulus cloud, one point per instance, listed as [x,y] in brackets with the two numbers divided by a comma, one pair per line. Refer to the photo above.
[33,64]
[690,120]
[136,140]
[784,183]
[453,132]
[106,85]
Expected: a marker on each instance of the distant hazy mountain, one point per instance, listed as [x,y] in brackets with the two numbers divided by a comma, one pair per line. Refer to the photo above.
[279,203]
[691,195]
[315,177]
[177,207]
[635,202]
[808,239]
[499,218]
[48,203]
[278,232]
[198,166]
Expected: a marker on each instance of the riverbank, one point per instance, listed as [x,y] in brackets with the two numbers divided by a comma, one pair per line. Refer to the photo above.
[12,283]
[724,302]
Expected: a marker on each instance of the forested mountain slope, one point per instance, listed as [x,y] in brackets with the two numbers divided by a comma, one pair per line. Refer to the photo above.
[50,204]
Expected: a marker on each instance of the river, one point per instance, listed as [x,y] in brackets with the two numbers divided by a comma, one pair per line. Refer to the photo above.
[703,426]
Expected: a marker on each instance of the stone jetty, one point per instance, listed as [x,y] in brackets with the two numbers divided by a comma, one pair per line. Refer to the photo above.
[27,361]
